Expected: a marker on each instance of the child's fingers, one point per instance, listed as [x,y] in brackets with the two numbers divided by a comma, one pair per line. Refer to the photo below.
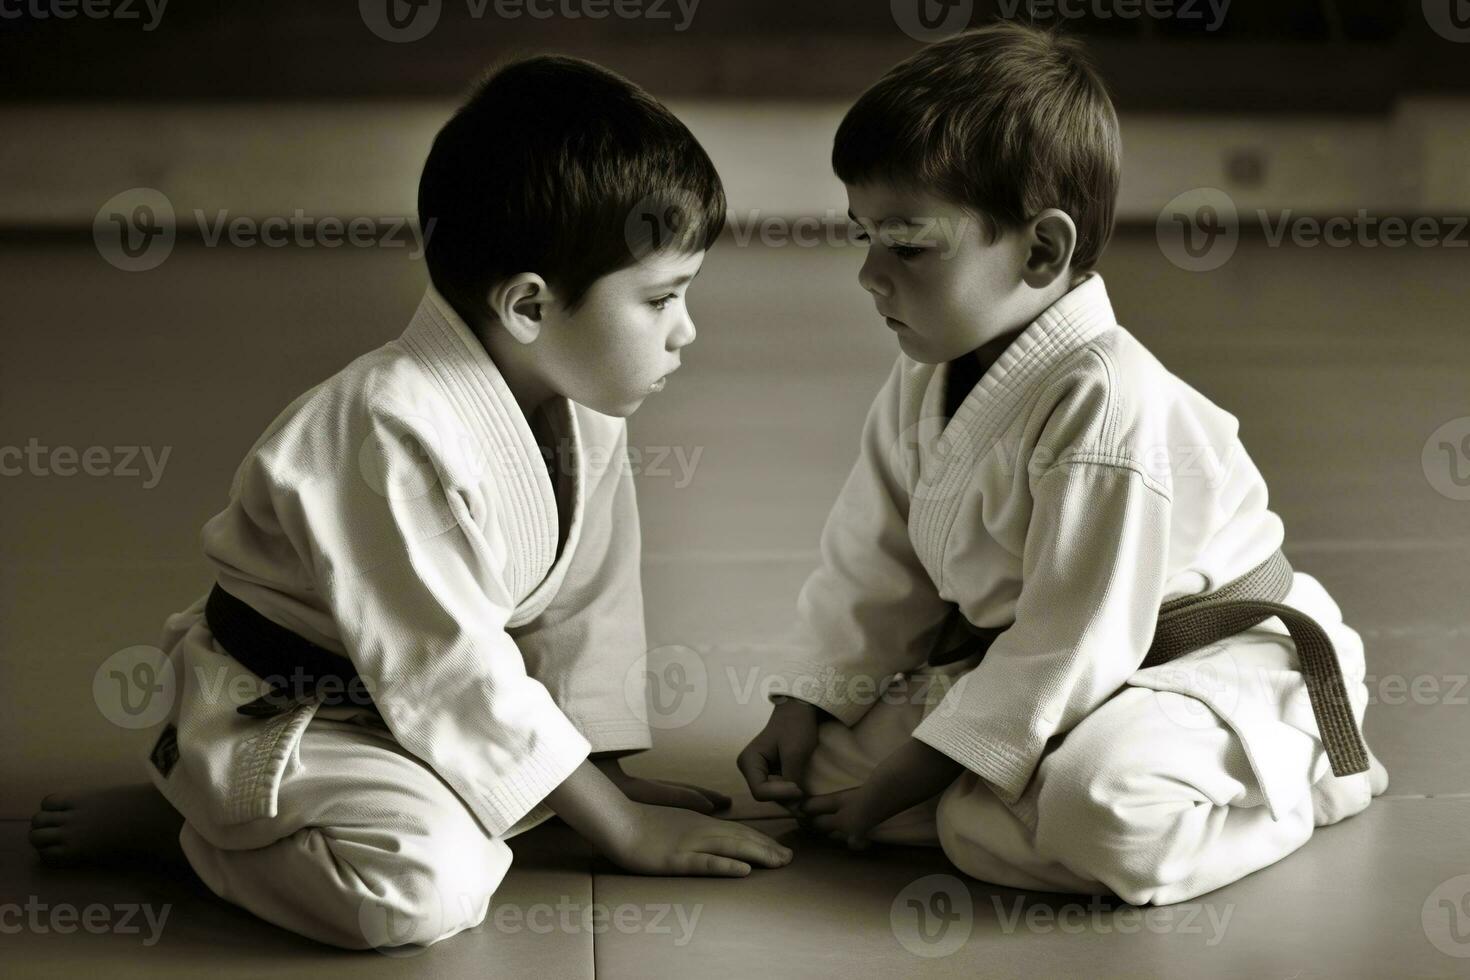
[740,831]
[826,803]
[660,793]
[768,854]
[825,824]
[776,791]
[715,865]
[793,765]
[717,799]
[731,828]
[755,767]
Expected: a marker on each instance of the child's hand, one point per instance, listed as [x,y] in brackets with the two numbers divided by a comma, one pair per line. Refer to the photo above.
[911,774]
[845,816]
[774,763]
[661,840]
[662,792]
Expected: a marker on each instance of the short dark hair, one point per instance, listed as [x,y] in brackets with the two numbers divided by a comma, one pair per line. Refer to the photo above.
[544,168]
[1005,119]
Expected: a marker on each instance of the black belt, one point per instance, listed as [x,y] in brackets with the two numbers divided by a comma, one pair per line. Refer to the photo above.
[298,670]
[1189,623]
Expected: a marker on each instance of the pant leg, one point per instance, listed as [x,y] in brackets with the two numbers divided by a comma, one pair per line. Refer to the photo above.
[1154,797]
[374,850]
[1130,803]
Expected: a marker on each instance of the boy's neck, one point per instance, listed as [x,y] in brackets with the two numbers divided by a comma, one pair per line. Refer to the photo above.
[989,352]
[526,385]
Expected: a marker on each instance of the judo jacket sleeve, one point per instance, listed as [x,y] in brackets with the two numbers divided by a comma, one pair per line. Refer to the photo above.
[417,568]
[1093,572]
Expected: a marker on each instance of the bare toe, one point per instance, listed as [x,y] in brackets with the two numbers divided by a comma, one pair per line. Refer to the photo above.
[47,837]
[57,801]
[49,818]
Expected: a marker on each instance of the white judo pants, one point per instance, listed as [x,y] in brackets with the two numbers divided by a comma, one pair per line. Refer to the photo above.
[1130,802]
[374,850]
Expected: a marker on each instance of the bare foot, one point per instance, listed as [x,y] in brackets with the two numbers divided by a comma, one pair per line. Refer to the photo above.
[120,825]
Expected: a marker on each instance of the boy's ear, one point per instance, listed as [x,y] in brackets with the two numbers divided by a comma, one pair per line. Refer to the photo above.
[520,304]
[1051,239]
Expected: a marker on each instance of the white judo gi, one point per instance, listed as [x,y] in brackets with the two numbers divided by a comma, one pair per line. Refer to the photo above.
[401,514]
[1078,487]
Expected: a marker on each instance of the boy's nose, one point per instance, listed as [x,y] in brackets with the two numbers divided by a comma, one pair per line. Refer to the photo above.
[683,334]
[871,280]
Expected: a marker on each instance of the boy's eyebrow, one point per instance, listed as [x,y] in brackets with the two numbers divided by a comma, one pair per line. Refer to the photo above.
[903,221]
[679,281]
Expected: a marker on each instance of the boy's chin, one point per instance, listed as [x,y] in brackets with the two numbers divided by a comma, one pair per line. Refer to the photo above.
[914,349]
[618,409]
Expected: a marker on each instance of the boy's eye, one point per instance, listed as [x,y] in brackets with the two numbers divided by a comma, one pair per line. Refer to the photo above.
[663,301]
[897,248]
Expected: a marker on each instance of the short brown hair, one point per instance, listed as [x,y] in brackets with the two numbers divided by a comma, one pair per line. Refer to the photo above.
[545,169]
[1006,119]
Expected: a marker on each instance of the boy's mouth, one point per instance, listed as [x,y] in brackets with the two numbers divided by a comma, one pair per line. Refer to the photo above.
[895,324]
[659,385]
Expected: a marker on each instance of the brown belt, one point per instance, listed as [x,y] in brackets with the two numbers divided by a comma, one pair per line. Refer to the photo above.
[297,669]
[1191,622]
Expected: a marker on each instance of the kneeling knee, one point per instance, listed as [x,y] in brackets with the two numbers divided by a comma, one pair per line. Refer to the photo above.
[416,908]
[1092,821]
[413,898]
